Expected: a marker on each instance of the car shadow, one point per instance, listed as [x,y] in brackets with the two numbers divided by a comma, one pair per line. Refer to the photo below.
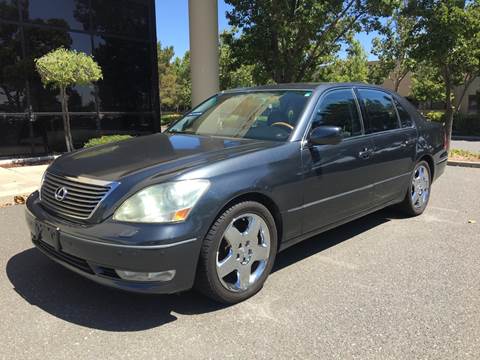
[68,296]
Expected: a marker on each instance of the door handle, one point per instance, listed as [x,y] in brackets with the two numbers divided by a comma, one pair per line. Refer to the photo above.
[365,153]
[406,142]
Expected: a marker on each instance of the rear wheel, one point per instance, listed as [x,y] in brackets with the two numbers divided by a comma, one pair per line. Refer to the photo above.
[418,193]
[238,253]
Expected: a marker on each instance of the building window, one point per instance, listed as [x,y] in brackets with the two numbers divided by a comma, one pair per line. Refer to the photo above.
[8,10]
[12,77]
[71,14]
[126,81]
[130,19]
[118,33]
[473,103]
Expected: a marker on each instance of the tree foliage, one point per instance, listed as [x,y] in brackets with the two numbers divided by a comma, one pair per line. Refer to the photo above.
[290,39]
[233,73]
[446,37]
[354,68]
[393,50]
[427,84]
[174,76]
[61,68]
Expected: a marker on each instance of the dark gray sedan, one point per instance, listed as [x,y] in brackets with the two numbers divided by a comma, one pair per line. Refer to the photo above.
[248,173]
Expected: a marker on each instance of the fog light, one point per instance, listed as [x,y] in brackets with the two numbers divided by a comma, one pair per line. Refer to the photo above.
[146,276]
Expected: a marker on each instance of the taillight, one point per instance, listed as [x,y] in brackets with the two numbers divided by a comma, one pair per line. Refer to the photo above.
[445,140]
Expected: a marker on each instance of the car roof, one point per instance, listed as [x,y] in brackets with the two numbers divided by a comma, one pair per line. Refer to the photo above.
[304,86]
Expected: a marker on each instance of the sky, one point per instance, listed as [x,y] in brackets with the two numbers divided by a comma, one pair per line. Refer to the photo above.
[172,26]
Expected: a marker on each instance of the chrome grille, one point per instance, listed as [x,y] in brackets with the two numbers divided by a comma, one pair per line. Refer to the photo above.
[81,199]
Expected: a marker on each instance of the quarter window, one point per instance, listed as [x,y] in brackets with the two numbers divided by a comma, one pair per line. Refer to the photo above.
[338,108]
[405,118]
[380,112]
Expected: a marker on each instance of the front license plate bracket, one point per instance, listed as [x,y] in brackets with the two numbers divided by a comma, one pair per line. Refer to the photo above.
[48,234]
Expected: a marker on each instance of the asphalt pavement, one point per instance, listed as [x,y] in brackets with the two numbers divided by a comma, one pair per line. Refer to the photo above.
[382,287]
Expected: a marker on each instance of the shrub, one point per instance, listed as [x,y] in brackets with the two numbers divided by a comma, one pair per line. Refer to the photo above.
[167,119]
[458,154]
[466,124]
[437,116]
[105,140]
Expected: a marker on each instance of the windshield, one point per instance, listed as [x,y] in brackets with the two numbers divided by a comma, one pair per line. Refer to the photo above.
[265,115]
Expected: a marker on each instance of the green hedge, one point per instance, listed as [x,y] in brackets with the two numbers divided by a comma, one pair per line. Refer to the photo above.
[436,116]
[169,118]
[463,124]
[105,140]
[466,124]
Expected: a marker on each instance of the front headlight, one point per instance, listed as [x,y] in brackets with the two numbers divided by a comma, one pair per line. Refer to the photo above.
[168,202]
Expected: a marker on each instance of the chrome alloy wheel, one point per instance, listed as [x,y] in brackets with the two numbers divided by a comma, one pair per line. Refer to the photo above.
[420,187]
[243,252]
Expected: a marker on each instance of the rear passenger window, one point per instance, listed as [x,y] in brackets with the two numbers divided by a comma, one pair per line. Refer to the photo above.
[338,108]
[380,112]
[405,118]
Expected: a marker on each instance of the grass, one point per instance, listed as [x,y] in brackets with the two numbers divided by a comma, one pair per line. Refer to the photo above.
[463,155]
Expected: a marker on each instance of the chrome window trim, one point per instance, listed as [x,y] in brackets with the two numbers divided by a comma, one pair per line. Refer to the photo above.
[399,123]
[413,126]
[304,139]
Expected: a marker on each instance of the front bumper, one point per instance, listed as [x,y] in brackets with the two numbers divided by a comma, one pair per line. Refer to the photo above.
[81,249]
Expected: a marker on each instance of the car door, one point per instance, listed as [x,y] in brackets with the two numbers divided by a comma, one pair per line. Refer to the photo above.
[338,180]
[394,143]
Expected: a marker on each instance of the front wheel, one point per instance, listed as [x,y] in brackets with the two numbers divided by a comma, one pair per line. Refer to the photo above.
[418,193]
[238,253]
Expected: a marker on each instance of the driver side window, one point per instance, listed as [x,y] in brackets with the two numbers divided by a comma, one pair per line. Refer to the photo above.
[338,108]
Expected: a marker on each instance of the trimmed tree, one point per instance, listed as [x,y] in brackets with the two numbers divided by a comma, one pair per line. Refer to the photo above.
[62,68]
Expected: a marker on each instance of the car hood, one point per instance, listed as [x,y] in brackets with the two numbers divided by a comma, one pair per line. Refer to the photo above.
[162,153]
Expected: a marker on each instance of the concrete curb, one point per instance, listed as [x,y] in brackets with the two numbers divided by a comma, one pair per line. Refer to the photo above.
[470,164]
[28,161]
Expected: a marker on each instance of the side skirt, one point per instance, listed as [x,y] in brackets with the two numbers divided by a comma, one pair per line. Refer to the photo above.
[286,244]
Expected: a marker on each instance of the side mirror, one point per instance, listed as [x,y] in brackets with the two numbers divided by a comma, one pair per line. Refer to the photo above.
[325,135]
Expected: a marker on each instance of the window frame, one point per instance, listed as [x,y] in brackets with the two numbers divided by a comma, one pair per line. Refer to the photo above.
[318,103]
[397,103]
[364,110]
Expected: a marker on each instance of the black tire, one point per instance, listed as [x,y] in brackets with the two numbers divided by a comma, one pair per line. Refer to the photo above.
[407,206]
[207,281]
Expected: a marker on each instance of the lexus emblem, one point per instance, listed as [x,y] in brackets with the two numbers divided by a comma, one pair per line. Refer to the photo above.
[61,193]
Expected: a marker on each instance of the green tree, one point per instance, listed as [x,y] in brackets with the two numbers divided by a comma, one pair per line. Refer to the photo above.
[167,74]
[353,68]
[392,50]
[289,40]
[427,84]
[165,56]
[445,37]
[184,82]
[233,73]
[169,89]
[62,68]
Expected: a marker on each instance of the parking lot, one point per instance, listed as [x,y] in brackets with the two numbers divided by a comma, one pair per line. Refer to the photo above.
[381,287]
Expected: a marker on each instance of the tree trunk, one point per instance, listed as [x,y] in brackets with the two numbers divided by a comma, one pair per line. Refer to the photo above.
[66,119]
[448,111]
